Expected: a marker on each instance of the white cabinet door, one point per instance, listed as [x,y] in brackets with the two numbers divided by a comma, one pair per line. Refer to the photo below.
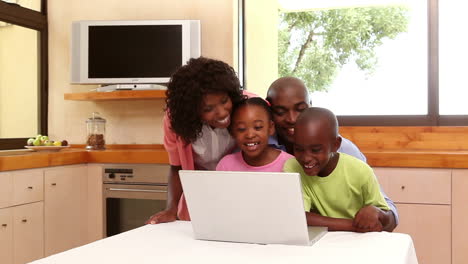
[430,228]
[28,232]
[6,189]
[460,216]
[65,208]
[95,209]
[6,236]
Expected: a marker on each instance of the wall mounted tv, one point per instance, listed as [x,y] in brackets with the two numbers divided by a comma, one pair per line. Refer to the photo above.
[131,52]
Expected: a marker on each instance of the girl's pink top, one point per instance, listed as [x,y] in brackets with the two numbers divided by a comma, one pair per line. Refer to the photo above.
[180,154]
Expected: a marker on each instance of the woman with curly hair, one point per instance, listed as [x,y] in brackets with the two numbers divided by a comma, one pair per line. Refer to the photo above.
[200,97]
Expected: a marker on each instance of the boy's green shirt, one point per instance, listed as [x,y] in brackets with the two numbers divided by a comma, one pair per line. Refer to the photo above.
[351,186]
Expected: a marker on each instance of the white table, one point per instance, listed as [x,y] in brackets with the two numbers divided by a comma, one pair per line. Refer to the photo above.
[174,243]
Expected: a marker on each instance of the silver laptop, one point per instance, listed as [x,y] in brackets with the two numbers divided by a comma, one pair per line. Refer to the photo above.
[250,207]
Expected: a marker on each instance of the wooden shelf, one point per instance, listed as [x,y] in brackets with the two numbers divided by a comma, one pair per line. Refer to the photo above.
[116,95]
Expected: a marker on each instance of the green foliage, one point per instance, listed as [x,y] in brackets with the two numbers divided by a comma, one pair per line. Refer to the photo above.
[315,45]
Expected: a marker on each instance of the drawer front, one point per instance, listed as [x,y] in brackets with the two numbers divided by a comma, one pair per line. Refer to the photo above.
[28,242]
[6,236]
[414,185]
[6,189]
[28,186]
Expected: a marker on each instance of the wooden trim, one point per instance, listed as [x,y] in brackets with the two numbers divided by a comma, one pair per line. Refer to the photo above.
[402,139]
[453,120]
[116,95]
[433,62]
[43,111]
[12,143]
[388,120]
[124,146]
[21,16]
[25,17]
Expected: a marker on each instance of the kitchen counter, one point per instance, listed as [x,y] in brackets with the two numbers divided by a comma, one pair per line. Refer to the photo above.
[152,155]
[149,154]
[174,243]
[457,159]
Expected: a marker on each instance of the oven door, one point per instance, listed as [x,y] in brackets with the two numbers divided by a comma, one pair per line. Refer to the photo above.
[128,206]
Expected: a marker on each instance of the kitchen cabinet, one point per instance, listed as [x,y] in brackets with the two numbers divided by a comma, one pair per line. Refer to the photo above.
[28,232]
[424,201]
[6,189]
[459,216]
[6,235]
[22,233]
[95,224]
[28,186]
[45,211]
[21,216]
[65,200]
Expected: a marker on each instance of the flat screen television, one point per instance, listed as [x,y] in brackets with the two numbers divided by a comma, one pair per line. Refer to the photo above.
[133,51]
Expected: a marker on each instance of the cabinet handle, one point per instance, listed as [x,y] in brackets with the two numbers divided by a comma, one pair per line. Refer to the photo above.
[24,220]
[53,184]
[402,187]
[4,225]
[30,187]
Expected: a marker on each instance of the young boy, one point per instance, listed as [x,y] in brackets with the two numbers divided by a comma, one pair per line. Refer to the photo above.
[338,189]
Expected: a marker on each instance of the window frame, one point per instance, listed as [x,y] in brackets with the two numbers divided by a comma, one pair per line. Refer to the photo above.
[25,17]
[433,118]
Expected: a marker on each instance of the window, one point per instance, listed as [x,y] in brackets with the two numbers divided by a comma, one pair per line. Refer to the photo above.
[23,75]
[372,62]
[452,55]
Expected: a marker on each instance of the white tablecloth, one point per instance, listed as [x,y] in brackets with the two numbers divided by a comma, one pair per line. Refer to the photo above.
[174,243]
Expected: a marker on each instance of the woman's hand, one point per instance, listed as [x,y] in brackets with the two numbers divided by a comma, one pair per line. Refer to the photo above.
[163,217]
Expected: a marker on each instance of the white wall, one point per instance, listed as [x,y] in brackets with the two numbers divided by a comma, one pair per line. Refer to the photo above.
[128,122]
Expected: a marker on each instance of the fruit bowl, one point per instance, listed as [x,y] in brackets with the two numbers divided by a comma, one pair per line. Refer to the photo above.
[46,148]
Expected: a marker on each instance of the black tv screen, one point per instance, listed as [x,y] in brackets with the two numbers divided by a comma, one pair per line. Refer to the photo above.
[134,51]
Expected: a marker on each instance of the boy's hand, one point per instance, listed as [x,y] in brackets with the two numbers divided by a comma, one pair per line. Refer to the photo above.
[368,219]
[163,217]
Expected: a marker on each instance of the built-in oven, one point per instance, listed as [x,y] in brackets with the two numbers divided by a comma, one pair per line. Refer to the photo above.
[131,194]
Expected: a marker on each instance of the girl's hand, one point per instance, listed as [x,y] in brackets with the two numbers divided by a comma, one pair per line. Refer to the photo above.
[162,217]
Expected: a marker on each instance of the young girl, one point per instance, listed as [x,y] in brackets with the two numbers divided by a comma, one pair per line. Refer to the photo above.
[251,127]
[200,97]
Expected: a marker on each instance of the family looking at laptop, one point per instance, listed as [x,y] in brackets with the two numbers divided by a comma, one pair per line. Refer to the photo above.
[200,100]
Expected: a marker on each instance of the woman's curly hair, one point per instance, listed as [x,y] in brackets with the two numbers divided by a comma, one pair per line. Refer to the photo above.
[188,85]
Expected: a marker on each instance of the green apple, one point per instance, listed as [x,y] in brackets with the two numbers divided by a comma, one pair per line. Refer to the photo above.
[48,143]
[38,136]
[30,142]
[44,138]
[57,143]
[37,142]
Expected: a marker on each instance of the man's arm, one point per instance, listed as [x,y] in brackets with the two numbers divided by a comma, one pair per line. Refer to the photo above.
[392,215]
[350,148]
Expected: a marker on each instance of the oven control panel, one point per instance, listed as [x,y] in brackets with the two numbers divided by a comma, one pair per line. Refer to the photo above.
[118,174]
[140,173]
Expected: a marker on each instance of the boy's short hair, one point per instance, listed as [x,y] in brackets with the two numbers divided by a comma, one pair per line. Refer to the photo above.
[319,114]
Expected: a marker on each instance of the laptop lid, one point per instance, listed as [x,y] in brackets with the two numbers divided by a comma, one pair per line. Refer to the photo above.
[251,207]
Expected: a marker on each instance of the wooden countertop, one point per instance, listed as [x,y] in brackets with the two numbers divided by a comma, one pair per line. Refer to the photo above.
[80,155]
[417,158]
[157,154]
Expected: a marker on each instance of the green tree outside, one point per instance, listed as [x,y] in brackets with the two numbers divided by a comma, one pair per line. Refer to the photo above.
[313,46]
